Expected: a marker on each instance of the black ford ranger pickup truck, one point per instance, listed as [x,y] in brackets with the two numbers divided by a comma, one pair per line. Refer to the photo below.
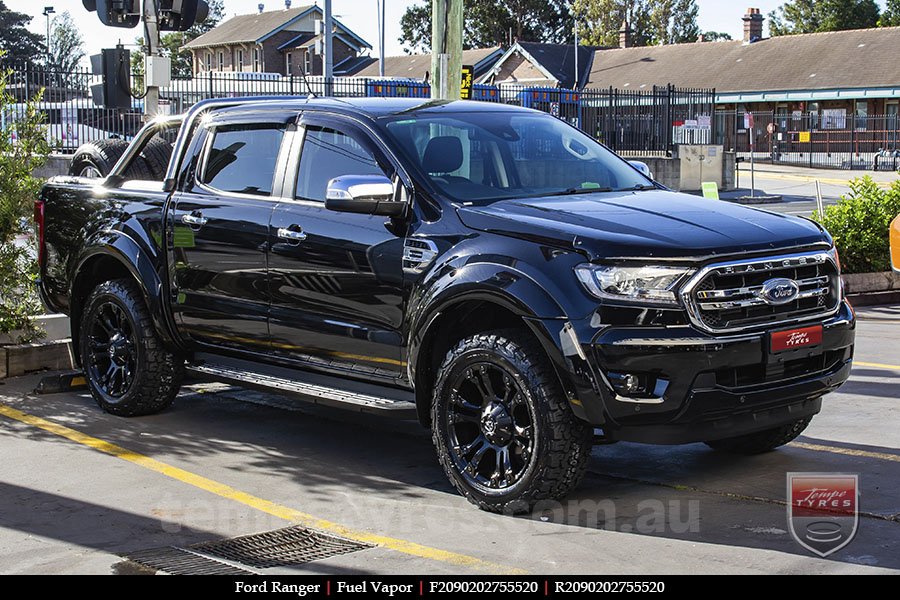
[487,269]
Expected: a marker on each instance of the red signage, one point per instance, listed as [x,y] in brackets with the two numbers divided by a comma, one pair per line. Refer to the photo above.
[793,339]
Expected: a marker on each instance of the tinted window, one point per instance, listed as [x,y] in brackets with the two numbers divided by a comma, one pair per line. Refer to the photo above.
[242,158]
[328,154]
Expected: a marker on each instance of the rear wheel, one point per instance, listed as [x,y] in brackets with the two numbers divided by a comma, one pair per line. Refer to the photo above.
[761,441]
[128,371]
[502,427]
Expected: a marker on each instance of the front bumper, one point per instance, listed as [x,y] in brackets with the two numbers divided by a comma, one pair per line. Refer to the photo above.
[709,387]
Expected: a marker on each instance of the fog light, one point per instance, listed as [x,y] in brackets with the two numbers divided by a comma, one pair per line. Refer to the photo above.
[638,385]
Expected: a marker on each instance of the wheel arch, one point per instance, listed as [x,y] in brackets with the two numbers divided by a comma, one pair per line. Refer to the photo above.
[464,314]
[115,255]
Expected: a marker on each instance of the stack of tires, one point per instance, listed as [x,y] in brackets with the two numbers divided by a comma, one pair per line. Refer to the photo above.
[96,160]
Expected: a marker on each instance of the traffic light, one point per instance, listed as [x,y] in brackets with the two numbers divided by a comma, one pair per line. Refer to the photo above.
[181,15]
[114,65]
[116,13]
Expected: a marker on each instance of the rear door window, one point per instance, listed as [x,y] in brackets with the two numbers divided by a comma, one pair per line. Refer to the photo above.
[241,158]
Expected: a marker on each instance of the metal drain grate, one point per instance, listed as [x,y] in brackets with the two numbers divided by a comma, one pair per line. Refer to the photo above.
[279,548]
[179,561]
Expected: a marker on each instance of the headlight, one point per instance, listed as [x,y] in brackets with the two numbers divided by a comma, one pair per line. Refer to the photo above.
[644,284]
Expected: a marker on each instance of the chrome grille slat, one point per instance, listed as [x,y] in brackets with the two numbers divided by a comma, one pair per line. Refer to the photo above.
[704,295]
[728,296]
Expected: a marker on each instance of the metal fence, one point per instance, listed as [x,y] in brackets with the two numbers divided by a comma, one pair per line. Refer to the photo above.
[71,116]
[647,122]
[835,139]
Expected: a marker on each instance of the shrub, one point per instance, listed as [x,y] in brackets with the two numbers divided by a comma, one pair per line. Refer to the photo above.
[23,148]
[860,224]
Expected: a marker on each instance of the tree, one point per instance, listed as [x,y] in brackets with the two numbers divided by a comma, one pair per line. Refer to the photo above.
[66,49]
[812,16]
[492,23]
[170,43]
[716,36]
[890,17]
[19,44]
[651,21]
[23,148]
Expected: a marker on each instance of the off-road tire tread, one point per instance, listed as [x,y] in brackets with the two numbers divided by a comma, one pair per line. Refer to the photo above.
[157,153]
[563,464]
[159,373]
[761,441]
[108,151]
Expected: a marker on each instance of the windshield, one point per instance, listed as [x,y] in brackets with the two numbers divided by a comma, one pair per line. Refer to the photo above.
[483,157]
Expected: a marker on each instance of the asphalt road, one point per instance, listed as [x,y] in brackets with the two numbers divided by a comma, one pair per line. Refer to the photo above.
[79,488]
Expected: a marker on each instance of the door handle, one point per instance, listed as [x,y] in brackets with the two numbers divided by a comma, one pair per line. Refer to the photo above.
[292,235]
[195,220]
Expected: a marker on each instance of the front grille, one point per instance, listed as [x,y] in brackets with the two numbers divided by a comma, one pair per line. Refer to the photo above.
[726,297]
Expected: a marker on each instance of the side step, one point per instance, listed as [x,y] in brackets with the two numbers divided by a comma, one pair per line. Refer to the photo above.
[314,388]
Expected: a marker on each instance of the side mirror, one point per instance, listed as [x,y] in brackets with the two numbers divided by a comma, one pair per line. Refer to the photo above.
[642,167]
[363,194]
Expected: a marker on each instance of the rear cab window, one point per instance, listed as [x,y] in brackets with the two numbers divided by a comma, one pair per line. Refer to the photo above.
[241,159]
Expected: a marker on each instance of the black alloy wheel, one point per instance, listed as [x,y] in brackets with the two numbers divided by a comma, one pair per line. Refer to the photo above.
[112,358]
[491,427]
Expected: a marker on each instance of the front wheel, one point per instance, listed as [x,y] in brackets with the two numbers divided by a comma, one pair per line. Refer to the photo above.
[761,441]
[127,369]
[503,429]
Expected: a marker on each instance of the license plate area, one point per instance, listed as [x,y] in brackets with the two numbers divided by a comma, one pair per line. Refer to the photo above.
[795,341]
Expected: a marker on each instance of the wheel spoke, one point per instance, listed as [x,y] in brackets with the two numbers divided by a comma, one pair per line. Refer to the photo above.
[464,450]
[459,417]
[461,402]
[479,454]
[482,381]
[98,345]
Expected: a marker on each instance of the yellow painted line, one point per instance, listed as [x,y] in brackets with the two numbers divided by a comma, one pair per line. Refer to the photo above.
[271,508]
[857,363]
[847,451]
[806,178]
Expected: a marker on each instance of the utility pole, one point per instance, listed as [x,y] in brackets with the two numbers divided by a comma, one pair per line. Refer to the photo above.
[151,37]
[379,4]
[48,10]
[446,45]
[329,57]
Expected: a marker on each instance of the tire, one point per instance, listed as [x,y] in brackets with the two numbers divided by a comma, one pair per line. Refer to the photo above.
[128,371]
[96,159]
[530,432]
[761,441]
[156,154]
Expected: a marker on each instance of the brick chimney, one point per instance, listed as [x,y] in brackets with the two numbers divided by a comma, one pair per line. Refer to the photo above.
[626,36]
[753,26]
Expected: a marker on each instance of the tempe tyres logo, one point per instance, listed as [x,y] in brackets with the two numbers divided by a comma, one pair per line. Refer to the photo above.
[823,510]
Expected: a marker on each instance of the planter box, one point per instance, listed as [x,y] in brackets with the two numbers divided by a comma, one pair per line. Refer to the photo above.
[20,359]
[864,283]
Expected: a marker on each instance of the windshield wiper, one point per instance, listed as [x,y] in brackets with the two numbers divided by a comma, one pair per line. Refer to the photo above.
[641,187]
[575,191]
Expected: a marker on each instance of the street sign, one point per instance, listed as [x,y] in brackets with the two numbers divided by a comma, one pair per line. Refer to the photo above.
[710,190]
[805,137]
[468,79]
[748,120]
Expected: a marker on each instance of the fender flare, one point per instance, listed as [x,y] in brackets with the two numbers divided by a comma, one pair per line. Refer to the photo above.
[506,286]
[122,248]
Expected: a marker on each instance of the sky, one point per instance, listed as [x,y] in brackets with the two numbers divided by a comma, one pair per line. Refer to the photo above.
[358,15]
